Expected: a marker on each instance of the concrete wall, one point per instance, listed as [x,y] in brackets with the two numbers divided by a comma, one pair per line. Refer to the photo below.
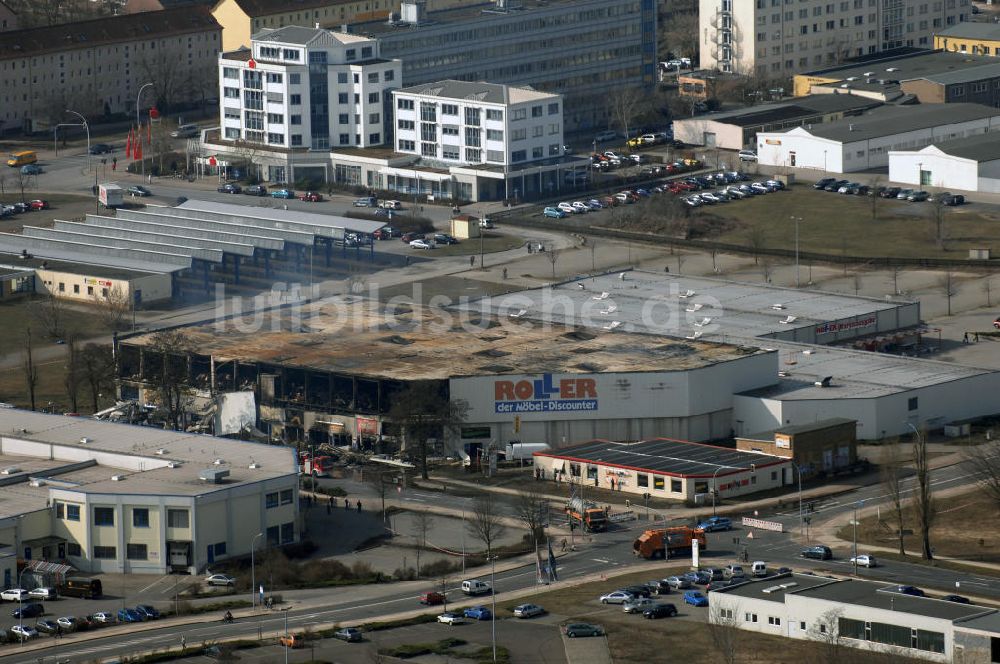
[928,92]
[693,131]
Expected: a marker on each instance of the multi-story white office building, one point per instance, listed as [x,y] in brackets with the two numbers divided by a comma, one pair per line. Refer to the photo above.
[478,123]
[777,38]
[304,89]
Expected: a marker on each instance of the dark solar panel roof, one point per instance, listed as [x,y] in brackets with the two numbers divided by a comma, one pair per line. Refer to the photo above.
[666,456]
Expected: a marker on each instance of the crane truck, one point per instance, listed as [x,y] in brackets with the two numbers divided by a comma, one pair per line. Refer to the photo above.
[650,544]
[590,516]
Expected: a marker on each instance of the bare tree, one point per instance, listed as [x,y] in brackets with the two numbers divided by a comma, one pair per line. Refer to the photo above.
[724,630]
[531,508]
[50,314]
[97,368]
[169,380]
[114,308]
[757,239]
[983,463]
[73,377]
[766,267]
[938,218]
[923,498]
[29,366]
[986,289]
[486,525]
[422,524]
[382,487]
[891,471]
[423,411]
[625,104]
[680,33]
[553,256]
[826,632]
[876,199]
[949,288]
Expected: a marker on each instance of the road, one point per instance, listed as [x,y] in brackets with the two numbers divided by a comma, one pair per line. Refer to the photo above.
[603,552]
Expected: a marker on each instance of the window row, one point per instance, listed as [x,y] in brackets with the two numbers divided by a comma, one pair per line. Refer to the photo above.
[105,516]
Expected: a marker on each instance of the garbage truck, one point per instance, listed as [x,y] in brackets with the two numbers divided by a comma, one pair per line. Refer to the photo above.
[650,545]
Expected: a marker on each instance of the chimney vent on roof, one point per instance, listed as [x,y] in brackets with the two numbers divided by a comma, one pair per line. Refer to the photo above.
[13,470]
[213,475]
[117,478]
[218,462]
[161,451]
[36,483]
[85,440]
[825,382]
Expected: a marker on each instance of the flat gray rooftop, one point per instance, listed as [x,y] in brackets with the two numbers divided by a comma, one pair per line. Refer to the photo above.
[878,595]
[774,588]
[743,315]
[893,120]
[920,65]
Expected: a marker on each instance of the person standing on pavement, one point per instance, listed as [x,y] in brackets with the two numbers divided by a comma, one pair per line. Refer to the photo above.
[359,507]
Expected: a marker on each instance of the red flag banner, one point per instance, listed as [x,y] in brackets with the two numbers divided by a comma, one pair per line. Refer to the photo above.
[149,133]
[128,144]
[137,151]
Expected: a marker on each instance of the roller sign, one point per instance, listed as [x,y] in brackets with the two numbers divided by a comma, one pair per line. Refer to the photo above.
[545,394]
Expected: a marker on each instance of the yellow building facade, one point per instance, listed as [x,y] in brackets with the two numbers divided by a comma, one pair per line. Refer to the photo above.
[973,38]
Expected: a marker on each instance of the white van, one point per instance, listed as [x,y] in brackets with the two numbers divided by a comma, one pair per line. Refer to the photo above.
[476,587]
[759,568]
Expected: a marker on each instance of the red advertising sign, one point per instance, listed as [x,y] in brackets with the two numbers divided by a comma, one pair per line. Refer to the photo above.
[367,426]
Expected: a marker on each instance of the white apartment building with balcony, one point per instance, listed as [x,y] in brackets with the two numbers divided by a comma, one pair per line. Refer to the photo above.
[773,39]
[300,92]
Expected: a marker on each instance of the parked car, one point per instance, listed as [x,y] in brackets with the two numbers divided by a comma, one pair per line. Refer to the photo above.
[390,204]
[385,233]
[24,632]
[699,577]
[957,199]
[637,605]
[349,634]
[21,207]
[637,590]
[717,573]
[660,610]
[47,626]
[528,611]
[129,616]
[823,183]
[747,155]
[220,580]
[760,188]
[70,623]
[14,595]
[904,194]
[695,598]
[716,523]
[230,188]
[835,185]
[733,572]
[616,597]
[958,599]
[581,207]
[567,208]
[774,185]
[291,641]
[148,612]
[104,617]
[283,193]
[574,630]
[938,196]
[554,213]
[407,238]
[918,196]
[817,553]
[32,610]
[658,587]
[678,582]
[846,187]
[43,593]
[908,590]
[431,598]
[311,197]
[864,560]
[367,201]
[256,190]
[100,148]
[478,613]
[420,243]
[890,192]
[31,169]
[451,618]
[444,238]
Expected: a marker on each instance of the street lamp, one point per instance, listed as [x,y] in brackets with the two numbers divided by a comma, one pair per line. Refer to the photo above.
[464,501]
[855,522]
[87,128]
[796,220]
[715,488]
[137,121]
[493,621]
[253,572]
[799,471]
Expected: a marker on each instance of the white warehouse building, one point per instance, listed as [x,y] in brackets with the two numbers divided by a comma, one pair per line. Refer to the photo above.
[864,142]
[965,164]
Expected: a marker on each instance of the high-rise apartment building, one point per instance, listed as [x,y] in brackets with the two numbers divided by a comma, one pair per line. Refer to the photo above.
[306,88]
[774,39]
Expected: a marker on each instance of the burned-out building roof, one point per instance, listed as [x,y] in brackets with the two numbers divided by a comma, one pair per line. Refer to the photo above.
[355,336]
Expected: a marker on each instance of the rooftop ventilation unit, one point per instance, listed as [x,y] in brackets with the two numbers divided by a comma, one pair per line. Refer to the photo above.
[117,478]
[218,462]
[892,69]
[777,307]
[174,464]
[869,73]
[254,465]
[161,451]
[413,11]
[825,382]
[213,475]
[85,440]
[12,470]
[36,483]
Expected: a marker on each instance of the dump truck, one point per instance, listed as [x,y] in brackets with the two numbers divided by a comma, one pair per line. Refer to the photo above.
[591,516]
[649,545]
